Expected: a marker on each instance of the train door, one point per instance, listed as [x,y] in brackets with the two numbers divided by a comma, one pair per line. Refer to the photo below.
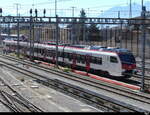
[44,54]
[53,56]
[113,65]
[104,64]
[65,59]
[25,51]
[10,48]
[87,58]
[74,60]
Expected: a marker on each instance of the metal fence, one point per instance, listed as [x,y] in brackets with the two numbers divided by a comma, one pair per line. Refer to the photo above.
[133,34]
[110,32]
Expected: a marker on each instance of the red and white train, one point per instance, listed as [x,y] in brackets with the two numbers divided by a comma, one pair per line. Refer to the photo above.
[115,62]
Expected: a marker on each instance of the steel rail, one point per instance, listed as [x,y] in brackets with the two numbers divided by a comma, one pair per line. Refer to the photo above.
[42,76]
[94,83]
[19,99]
[11,102]
[12,108]
[75,91]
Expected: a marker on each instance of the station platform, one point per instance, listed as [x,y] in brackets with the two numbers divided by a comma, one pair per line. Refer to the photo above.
[49,100]
[131,102]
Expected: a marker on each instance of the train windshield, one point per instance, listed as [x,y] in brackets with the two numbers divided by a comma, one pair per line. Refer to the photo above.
[127,58]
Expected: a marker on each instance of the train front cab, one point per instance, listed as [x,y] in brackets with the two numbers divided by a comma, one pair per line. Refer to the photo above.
[128,64]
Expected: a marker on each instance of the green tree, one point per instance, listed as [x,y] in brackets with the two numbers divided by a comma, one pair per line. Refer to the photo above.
[94,33]
[79,30]
[82,26]
[82,15]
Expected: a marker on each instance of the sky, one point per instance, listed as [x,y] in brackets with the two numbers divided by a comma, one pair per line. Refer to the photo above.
[64,7]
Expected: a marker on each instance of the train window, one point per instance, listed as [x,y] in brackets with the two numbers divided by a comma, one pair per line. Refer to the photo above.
[93,60]
[54,53]
[96,60]
[45,52]
[78,58]
[99,60]
[42,51]
[83,59]
[35,50]
[49,53]
[113,59]
[70,56]
[65,55]
[59,54]
[39,50]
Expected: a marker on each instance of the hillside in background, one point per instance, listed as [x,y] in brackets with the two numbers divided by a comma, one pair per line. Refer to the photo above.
[124,11]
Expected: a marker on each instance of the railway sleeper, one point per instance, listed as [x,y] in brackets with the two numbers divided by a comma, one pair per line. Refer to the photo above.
[104,103]
[76,92]
[98,106]
[120,108]
[100,101]
[147,88]
[57,83]
[87,96]
[113,107]
[103,108]
[65,88]
[42,82]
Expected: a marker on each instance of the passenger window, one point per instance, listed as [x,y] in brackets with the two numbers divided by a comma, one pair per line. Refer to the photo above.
[99,60]
[93,60]
[70,56]
[78,58]
[96,60]
[83,59]
[59,54]
[113,59]
[65,55]
[50,53]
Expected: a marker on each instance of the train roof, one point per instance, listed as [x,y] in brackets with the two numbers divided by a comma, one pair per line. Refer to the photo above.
[78,48]
[112,49]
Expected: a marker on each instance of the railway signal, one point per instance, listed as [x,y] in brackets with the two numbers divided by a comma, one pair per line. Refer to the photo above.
[44,12]
[143,49]
[0,11]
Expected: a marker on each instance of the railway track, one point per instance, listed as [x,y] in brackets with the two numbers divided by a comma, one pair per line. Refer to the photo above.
[138,76]
[58,84]
[147,65]
[83,94]
[14,101]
